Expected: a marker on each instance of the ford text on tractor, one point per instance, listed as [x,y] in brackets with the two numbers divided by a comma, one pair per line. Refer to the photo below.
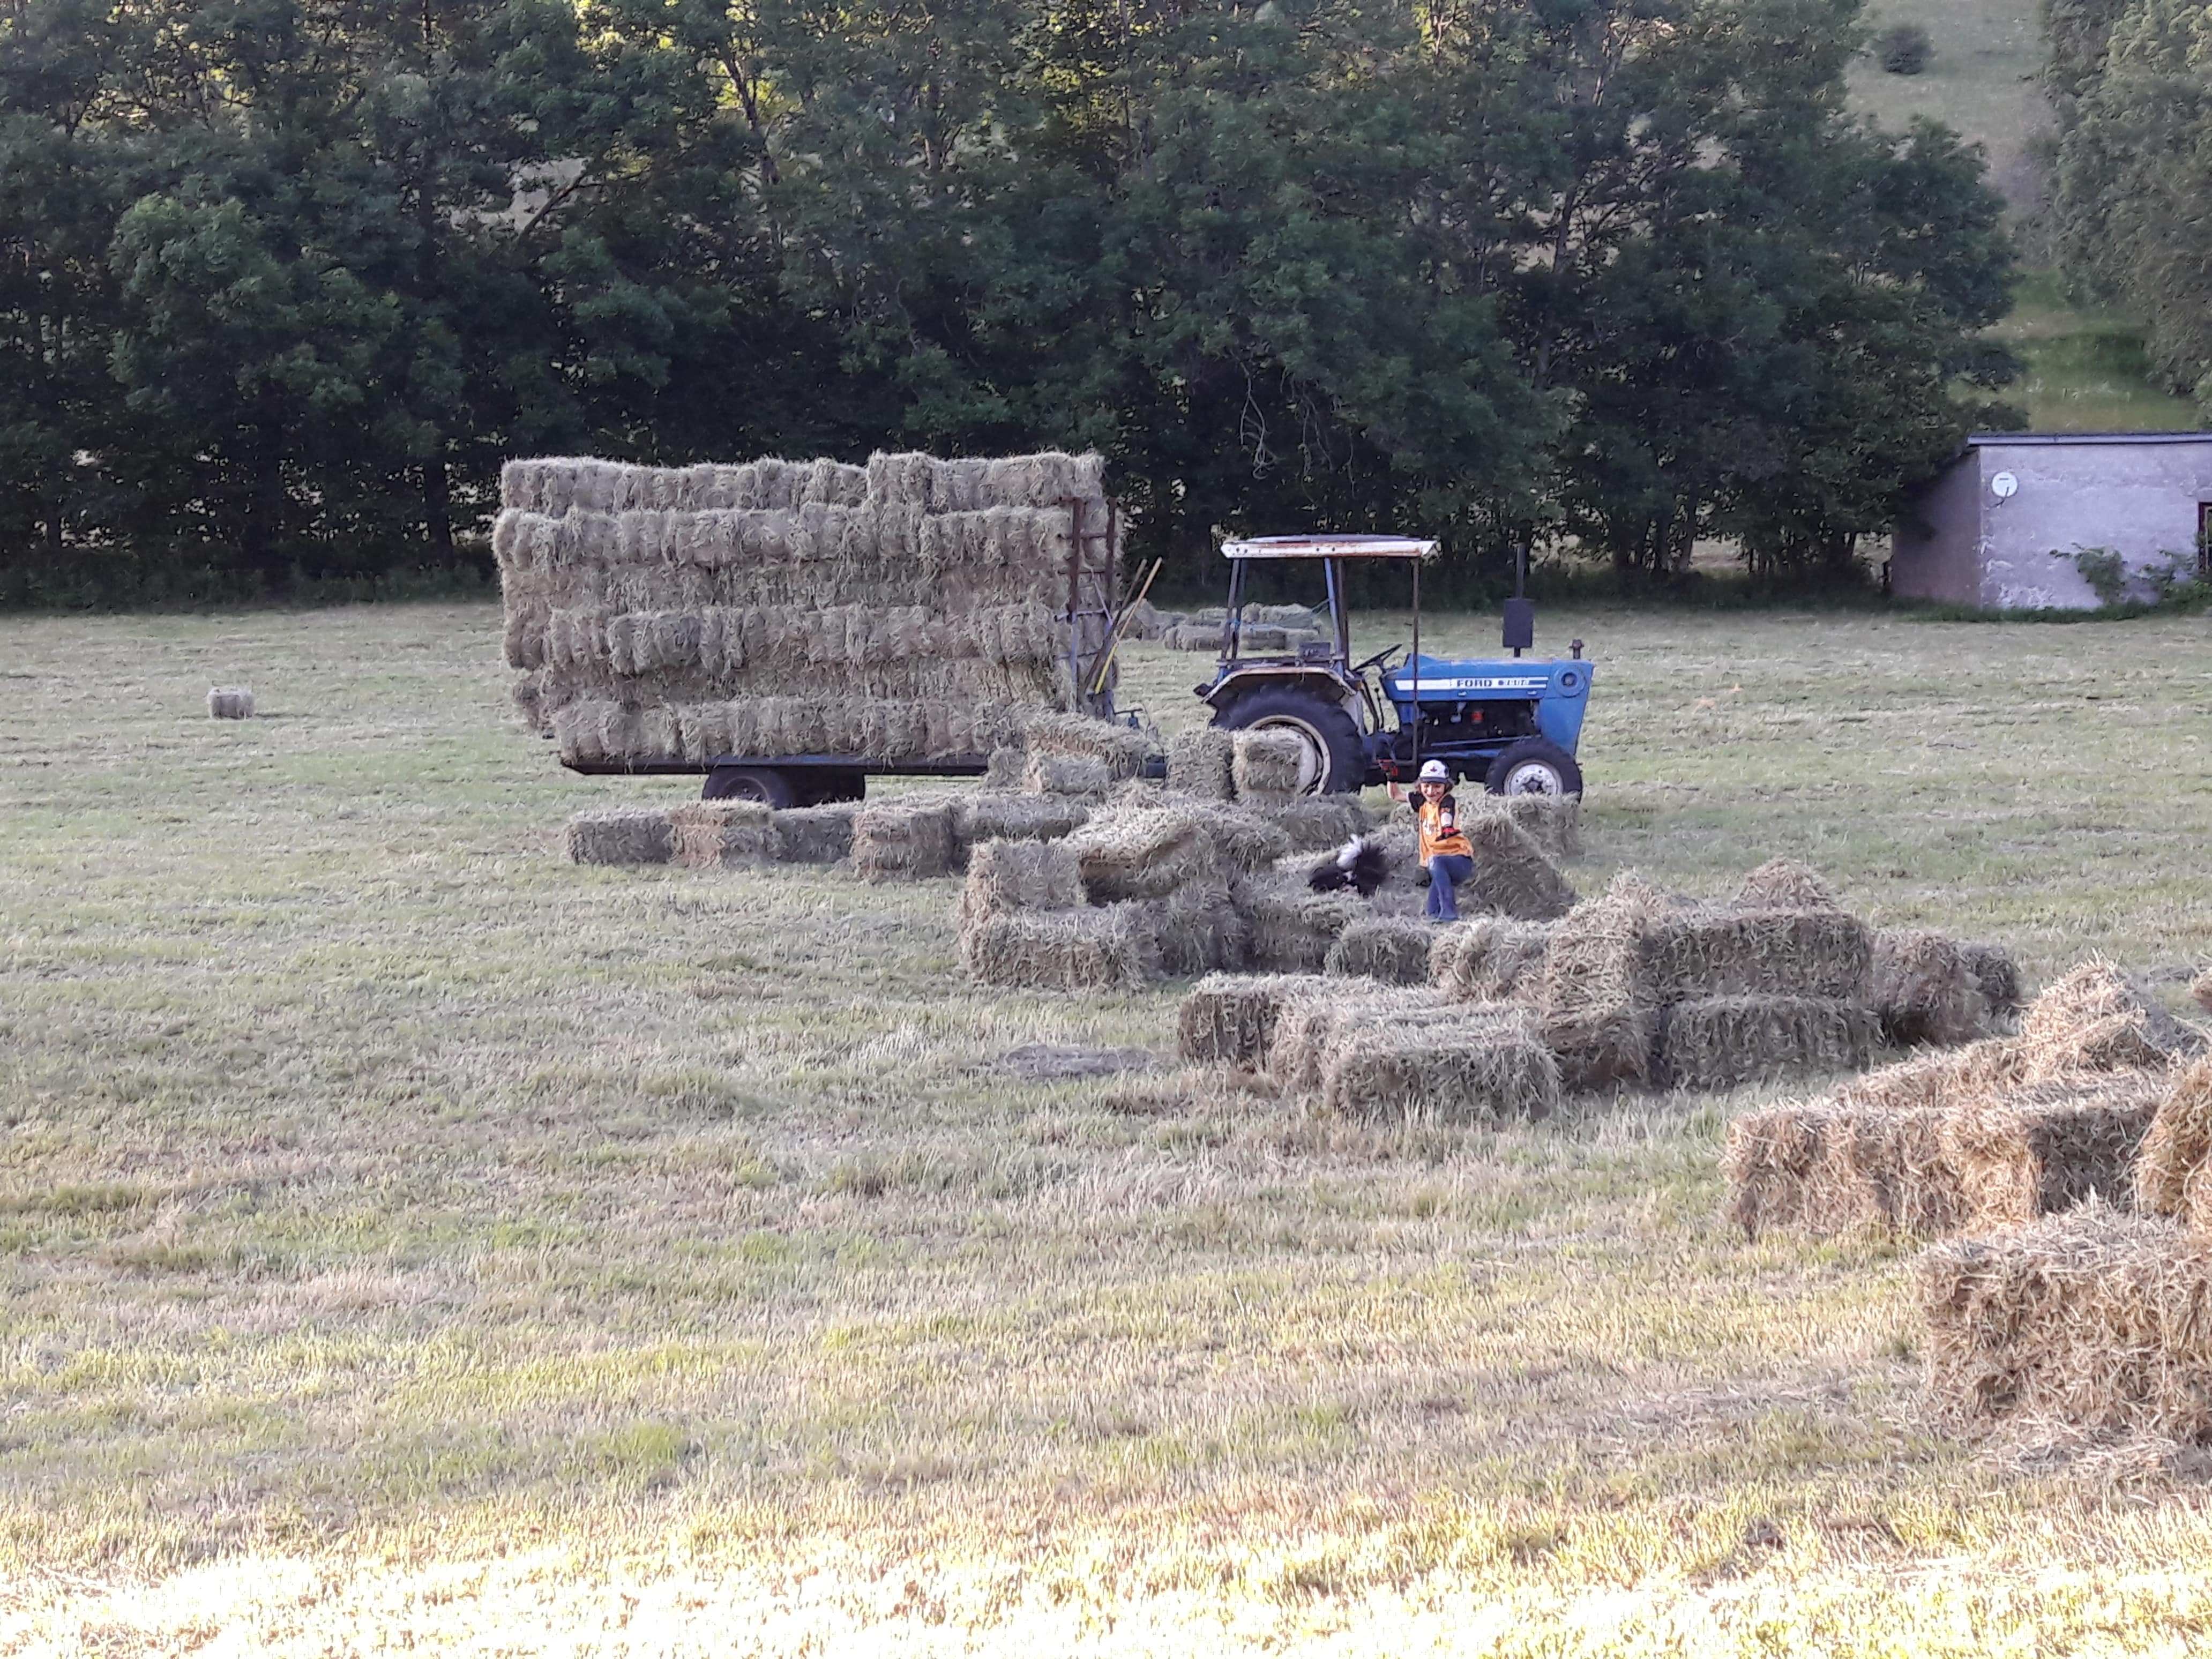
[1512,724]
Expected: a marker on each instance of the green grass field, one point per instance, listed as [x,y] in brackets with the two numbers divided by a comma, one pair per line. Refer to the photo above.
[411,1241]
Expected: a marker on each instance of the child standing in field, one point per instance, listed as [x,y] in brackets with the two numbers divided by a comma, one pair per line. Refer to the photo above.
[1446,852]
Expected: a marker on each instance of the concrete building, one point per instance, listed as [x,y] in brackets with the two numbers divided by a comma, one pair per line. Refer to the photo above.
[2002,528]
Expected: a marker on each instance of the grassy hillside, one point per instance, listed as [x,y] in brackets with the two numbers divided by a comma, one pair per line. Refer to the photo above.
[2086,368]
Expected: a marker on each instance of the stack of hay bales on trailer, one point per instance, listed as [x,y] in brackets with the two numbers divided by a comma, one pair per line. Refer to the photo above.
[910,609]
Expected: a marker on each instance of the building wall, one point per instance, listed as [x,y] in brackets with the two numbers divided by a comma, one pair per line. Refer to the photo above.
[1935,553]
[2139,499]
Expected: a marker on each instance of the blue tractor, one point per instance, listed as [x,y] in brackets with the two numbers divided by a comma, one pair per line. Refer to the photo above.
[1513,724]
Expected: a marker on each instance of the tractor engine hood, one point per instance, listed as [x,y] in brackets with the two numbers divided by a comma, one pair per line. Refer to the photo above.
[1559,690]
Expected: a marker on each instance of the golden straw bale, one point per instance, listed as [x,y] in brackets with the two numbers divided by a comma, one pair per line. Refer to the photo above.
[1313,821]
[2089,1317]
[2170,1178]
[624,835]
[1310,1029]
[1490,959]
[1122,750]
[904,838]
[1080,777]
[1393,948]
[1973,1076]
[1197,929]
[1108,947]
[1554,823]
[983,815]
[1819,1170]
[1199,762]
[1141,852]
[1018,875]
[1717,1043]
[1484,1070]
[2049,1146]
[1229,1018]
[1511,874]
[815,835]
[1774,953]
[1245,841]
[1291,925]
[711,835]
[1925,989]
[1267,764]
[1598,1017]
[1784,885]
[2097,1019]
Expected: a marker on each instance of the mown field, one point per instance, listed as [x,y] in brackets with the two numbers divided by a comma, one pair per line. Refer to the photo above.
[411,1241]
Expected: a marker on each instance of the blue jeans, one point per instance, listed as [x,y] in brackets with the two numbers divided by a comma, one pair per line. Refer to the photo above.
[1446,872]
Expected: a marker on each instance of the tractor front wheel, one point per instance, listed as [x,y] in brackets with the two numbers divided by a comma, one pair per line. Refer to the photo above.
[1335,762]
[1534,766]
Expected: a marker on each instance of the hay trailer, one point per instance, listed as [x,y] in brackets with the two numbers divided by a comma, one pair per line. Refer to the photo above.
[1512,724]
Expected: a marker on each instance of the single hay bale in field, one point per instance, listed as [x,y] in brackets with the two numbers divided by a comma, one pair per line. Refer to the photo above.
[1197,929]
[1081,776]
[1717,1043]
[1292,926]
[1199,762]
[1784,885]
[233,702]
[2050,1147]
[1188,635]
[1141,852]
[1228,1019]
[1554,823]
[902,839]
[1774,953]
[1998,974]
[815,835]
[1122,750]
[1018,875]
[2099,1018]
[1512,875]
[1268,765]
[1393,948]
[986,815]
[1925,990]
[1490,959]
[2172,1175]
[1598,1017]
[1095,948]
[1480,1070]
[2092,1317]
[708,835]
[1314,822]
[623,835]
[1819,1170]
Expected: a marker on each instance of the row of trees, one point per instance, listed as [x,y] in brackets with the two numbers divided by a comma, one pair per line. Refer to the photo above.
[2131,80]
[282,281]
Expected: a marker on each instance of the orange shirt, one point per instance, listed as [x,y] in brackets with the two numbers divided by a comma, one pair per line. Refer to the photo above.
[1440,830]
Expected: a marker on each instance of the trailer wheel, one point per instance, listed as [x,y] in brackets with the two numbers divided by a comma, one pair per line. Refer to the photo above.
[1534,766]
[1334,761]
[761,783]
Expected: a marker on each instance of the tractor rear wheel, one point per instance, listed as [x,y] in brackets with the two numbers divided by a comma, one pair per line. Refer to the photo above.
[1534,766]
[764,784]
[1335,762]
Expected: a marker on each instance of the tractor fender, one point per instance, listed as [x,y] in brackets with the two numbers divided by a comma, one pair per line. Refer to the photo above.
[1312,682]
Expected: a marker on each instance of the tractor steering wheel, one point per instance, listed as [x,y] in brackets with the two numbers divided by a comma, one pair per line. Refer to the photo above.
[1377,660]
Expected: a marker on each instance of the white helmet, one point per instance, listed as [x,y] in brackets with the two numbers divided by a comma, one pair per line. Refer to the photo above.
[1435,771]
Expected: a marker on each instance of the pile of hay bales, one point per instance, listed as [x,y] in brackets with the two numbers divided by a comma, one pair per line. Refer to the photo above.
[1266,629]
[910,609]
[710,834]
[1994,1133]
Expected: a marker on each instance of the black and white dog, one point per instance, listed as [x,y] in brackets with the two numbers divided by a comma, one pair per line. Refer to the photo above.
[1359,865]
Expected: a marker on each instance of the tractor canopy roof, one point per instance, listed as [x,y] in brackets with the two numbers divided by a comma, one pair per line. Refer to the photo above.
[1329,547]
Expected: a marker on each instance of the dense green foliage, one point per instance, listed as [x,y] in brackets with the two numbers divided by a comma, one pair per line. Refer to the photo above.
[281,281]
[2132,81]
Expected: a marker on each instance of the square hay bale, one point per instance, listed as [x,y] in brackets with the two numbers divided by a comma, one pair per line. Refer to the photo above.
[908,840]
[1784,885]
[2048,1147]
[815,835]
[1006,767]
[1081,775]
[2095,1318]
[1228,1019]
[1554,823]
[1393,948]
[1480,1070]
[1245,841]
[1925,990]
[1490,959]
[1820,1170]
[235,703]
[2100,1018]
[1766,953]
[1291,925]
[710,834]
[1310,1029]
[1145,852]
[1120,750]
[1018,875]
[984,815]
[1196,930]
[1717,1043]
[2171,1175]
[1315,822]
[1268,765]
[1995,969]
[1200,762]
[1511,874]
[1969,1077]
[1096,948]
[1598,1017]
[1193,636]
[623,835]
